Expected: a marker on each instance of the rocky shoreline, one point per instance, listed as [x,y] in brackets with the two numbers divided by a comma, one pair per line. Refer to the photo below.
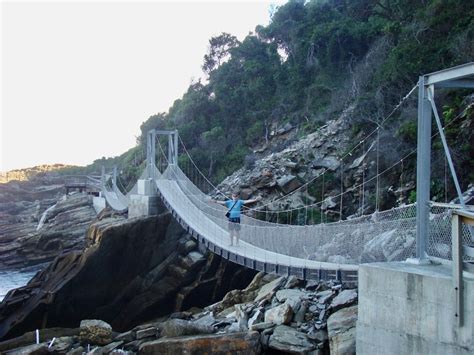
[271,315]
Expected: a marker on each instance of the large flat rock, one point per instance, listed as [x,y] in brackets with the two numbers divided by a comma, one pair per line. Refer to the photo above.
[289,340]
[235,343]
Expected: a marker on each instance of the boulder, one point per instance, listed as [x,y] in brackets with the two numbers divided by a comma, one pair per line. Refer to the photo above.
[257,317]
[267,291]
[186,246]
[242,317]
[300,313]
[289,340]
[76,351]
[330,162]
[288,183]
[126,336]
[342,331]
[207,320]
[292,297]
[95,331]
[193,260]
[324,296]
[321,335]
[236,343]
[62,344]
[246,193]
[279,315]
[292,282]
[145,333]
[392,245]
[179,327]
[344,299]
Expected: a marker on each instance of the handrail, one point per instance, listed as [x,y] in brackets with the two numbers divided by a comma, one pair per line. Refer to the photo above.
[459,218]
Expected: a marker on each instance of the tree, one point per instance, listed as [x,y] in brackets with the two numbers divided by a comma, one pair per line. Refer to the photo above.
[219,51]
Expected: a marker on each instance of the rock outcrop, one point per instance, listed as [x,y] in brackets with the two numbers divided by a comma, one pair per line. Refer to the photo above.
[235,324]
[36,232]
[130,270]
[236,343]
[39,222]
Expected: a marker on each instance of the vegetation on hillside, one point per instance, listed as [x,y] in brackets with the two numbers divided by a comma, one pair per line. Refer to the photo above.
[309,64]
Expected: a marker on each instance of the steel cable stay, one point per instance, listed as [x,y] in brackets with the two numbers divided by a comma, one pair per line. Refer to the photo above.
[316,204]
[349,153]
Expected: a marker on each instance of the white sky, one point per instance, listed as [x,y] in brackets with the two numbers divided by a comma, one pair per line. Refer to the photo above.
[78,78]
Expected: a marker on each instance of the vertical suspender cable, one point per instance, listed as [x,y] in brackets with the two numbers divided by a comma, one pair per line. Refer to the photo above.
[377,179]
[342,193]
[445,179]
[401,177]
[322,198]
[363,180]
[306,207]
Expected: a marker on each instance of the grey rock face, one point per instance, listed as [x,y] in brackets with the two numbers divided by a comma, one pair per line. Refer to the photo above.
[64,229]
[124,277]
[290,340]
[342,330]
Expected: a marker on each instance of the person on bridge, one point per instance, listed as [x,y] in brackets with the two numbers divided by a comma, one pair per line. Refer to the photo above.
[235,207]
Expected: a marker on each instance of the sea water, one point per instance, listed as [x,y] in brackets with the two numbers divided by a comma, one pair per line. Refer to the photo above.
[14,279]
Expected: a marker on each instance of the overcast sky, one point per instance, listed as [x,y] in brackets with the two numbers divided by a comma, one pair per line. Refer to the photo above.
[78,78]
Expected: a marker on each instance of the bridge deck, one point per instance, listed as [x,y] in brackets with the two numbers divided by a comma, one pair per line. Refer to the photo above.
[217,240]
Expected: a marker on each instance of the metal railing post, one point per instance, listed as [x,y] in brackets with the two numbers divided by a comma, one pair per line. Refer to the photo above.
[150,153]
[457,266]
[114,177]
[423,166]
[175,135]
[459,218]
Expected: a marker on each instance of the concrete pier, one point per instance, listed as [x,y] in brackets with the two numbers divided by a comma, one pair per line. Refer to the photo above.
[145,203]
[410,309]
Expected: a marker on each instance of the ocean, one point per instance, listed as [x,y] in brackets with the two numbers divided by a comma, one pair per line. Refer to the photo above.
[14,279]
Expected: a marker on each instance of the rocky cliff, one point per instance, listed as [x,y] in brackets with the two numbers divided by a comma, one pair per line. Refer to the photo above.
[30,173]
[38,222]
[131,270]
[317,158]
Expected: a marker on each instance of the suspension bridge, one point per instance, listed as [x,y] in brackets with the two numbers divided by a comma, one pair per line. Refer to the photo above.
[420,231]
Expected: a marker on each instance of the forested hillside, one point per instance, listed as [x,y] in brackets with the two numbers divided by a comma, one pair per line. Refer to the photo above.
[313,61]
